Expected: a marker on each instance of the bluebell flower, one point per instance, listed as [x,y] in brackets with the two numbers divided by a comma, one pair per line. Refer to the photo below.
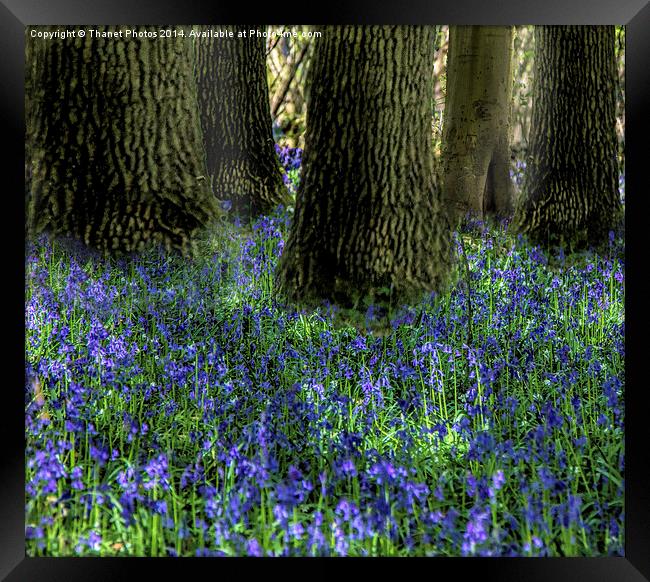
[498,480]
[253,548]
[92,541]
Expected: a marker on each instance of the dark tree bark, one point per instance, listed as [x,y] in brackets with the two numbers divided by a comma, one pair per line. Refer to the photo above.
[570,190]
[368,221]
[236,120]
[115,154]
[476,135]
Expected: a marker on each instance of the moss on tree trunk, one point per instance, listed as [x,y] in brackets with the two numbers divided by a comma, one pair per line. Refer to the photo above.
[368,220]
[570,190]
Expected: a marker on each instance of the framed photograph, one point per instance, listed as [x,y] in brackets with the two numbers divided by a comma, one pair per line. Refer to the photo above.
[357,283]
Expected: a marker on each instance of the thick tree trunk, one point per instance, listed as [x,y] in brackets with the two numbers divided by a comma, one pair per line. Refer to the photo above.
[114,143]
[570,186]
[476,134]
[236,120]
[368,221]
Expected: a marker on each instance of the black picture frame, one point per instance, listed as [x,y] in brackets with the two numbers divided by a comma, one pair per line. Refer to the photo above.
[16,14]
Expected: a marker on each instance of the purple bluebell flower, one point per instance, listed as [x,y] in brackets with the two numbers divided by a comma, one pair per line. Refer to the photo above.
[253,548]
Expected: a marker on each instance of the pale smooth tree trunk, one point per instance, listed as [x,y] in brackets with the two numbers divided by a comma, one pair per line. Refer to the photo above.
[476,127]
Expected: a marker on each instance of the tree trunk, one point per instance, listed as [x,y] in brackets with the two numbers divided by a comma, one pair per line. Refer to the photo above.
[114,143]
[476,135]
[236,120]
[570,186]
[368,221]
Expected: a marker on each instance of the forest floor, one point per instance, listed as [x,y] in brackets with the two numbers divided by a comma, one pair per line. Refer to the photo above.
[175,408]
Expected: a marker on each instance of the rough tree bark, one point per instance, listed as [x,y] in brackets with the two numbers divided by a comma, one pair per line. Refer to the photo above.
[368,221]
[236,120]
[115,154]
[570,190]
[476,133]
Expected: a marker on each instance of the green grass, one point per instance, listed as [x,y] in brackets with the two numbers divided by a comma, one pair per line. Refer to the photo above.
[158,359]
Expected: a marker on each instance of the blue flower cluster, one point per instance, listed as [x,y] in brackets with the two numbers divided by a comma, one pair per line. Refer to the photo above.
[176,408]
[290,160]
[517,172]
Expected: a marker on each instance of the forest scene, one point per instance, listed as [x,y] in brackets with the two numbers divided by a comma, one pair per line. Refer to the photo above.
[324,290]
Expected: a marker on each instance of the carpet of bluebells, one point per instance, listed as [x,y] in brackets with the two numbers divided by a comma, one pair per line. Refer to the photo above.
[174,407]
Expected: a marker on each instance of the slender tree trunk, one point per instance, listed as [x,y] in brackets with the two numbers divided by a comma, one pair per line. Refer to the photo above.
[236,120]
[570,186]
[115,154]
[476,134]
[368,221]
